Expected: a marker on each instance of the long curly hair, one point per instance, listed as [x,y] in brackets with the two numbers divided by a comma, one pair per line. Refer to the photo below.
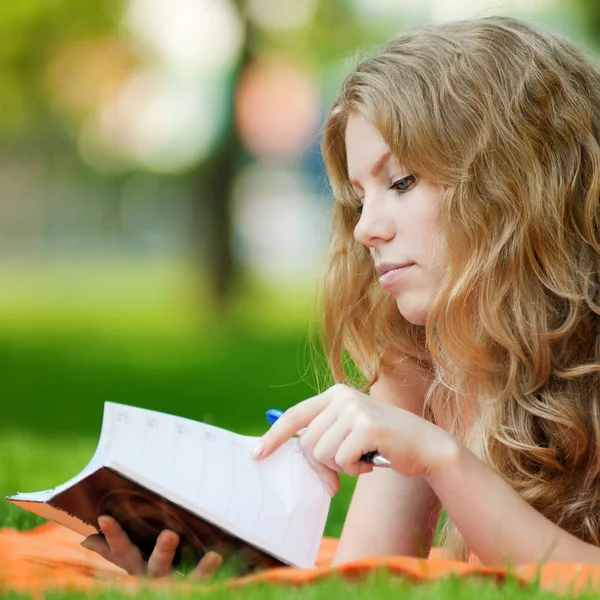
[505,117]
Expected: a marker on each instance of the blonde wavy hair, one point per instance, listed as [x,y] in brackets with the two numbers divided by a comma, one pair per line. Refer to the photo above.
[505,118]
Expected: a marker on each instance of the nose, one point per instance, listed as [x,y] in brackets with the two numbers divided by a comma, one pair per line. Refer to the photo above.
[375,226]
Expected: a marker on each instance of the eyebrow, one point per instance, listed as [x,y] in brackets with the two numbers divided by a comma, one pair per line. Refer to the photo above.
[376,168]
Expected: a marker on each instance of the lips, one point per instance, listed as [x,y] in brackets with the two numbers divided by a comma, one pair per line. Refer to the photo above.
[390,273]
[383,268]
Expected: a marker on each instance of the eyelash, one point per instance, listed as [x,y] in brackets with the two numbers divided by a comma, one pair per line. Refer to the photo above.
[395,186]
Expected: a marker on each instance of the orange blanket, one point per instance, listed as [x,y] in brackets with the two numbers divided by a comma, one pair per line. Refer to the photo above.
[50,557]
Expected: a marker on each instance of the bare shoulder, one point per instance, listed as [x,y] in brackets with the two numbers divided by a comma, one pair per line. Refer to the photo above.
[403,384]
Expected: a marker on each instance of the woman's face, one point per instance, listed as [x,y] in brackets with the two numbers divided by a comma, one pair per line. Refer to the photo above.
[398,221]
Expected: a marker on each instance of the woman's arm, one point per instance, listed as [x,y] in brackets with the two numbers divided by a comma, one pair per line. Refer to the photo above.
[389,513]
[497,524]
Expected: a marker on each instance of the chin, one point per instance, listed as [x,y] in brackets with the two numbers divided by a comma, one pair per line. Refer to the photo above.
[413,313]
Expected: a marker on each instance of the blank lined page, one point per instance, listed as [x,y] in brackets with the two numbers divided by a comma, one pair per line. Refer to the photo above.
[278,502]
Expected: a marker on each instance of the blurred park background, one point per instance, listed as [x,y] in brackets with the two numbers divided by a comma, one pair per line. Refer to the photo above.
[163,206]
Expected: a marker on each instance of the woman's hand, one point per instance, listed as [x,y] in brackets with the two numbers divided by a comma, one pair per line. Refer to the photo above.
[342,424]
[116,547]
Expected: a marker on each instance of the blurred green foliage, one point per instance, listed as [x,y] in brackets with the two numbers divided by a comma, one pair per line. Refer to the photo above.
[76,337]
[228,379]
[30,33]
[590,19]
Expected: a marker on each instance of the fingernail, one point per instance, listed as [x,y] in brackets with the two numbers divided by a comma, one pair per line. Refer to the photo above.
[169,538]
[258,449]
[329,490]
[214,559]
[207,566]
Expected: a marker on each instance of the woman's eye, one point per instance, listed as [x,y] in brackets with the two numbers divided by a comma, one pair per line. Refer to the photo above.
[359,209]
[403,185]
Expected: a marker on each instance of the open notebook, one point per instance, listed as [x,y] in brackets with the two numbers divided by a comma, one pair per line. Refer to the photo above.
[153,471]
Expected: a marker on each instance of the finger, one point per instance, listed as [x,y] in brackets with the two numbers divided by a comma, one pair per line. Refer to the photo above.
[96,543]
[329,478]
[349,452]
[295,418]
[317,428]
[329,443]
[161,559]
[207,567]
[128,554]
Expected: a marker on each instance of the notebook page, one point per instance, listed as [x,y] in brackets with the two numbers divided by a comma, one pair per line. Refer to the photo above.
[278,503]
[97,460]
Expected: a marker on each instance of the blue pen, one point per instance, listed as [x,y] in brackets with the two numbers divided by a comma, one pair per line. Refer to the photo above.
[374,458]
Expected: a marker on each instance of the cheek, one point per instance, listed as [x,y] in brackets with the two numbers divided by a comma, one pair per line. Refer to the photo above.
[438,252]
[430,239]
[434,254]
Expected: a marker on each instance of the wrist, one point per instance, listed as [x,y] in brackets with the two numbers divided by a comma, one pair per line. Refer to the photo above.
[445,454]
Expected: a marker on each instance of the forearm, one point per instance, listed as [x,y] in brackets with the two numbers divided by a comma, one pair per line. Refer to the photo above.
[389,514]
[497,524]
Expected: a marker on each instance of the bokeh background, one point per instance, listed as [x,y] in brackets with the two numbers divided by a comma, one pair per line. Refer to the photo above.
[163,207]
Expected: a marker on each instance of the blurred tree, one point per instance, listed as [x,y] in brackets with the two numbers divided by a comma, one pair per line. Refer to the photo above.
[332,34]
[61,59]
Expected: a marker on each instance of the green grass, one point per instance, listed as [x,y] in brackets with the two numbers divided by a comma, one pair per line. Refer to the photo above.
[228,379]
[380,585]
[133,334]
[75,335]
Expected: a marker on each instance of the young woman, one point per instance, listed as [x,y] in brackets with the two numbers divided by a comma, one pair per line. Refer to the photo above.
[463,280]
